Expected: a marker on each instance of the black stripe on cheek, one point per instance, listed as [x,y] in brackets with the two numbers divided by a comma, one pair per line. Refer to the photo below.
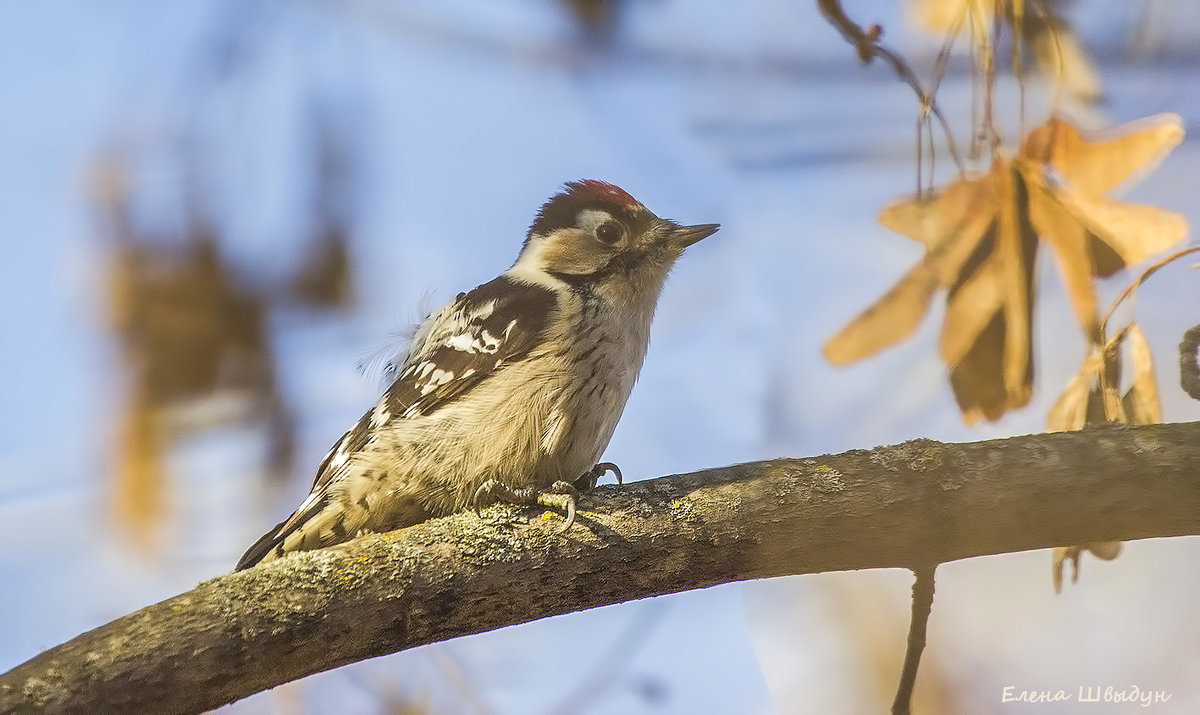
[623,262]
[578,281]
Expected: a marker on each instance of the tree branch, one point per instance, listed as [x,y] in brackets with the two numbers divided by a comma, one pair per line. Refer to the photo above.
[910,505]
[918,625]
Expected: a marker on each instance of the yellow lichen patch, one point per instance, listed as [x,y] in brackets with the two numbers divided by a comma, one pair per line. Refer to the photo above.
[826,479]
[682,509]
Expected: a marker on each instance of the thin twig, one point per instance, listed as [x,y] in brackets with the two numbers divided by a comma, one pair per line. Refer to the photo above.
[452,669]
[922,120]
[1135,283]
[940,64]
[1058,85]
[922,604]
[866,43]
[603,674]
[1017,23]
[989,94]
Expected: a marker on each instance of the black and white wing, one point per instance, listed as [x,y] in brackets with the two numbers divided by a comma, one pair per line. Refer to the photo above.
[479,333]
[453,351]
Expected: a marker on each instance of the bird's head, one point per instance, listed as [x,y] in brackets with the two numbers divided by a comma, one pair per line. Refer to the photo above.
[595,235]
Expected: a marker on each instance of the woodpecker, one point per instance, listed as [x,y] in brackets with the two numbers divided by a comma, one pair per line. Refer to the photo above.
[511,391]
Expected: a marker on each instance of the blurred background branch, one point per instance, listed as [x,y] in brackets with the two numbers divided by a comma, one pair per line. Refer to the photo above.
[909,505]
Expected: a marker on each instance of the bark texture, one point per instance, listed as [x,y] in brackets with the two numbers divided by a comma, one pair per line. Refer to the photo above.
[911,505]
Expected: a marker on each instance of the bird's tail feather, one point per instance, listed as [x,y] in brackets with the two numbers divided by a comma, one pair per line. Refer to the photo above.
[273,540]
[261,548]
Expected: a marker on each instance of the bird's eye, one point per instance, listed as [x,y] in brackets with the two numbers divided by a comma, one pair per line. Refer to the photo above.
[609,232]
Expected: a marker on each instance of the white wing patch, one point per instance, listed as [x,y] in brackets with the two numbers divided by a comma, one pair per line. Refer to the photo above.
[380,415]
[481,342]
[477,333]
[463,342]
[484,312]
[438,378]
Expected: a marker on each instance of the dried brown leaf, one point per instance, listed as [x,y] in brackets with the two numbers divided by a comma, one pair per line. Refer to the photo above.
[1062,554]
[1114,409]
[1016,246]
[952,224]
[1105,261]
[1141,402]
[934,219]
[1059,54]
[1069,239]
[1070,411]
[1107,391]
[969,308]
[1083,400]
[981,235]
[1100,163]
[1106,550]
[1091,397]
[889,320]
[1133,231]
[139,484]
[976,382]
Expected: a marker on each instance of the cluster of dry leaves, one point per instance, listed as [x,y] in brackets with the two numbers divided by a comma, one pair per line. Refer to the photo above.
[1041,27]
[1093,396]
[193,337]
[981,234]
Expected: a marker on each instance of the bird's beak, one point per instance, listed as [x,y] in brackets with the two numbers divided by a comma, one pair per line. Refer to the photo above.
[685,236]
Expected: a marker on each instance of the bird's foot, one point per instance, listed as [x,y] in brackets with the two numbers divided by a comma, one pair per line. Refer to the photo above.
[587,481]
[559,495]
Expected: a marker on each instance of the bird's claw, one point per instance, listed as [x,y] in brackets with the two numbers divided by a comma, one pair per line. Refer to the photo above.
[605,467]
[560,495]
[493,491]
[587,481]
[483,492]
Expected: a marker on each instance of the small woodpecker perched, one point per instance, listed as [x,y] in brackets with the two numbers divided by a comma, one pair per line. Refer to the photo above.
[511,391]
